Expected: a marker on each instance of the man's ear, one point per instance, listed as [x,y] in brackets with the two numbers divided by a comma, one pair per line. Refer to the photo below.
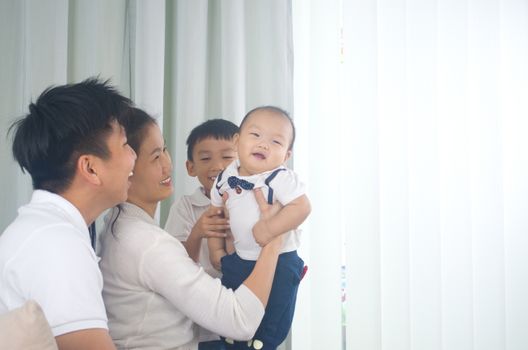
[189,164]
[87,169]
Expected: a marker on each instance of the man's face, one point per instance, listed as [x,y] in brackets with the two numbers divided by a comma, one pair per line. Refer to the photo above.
[118,167]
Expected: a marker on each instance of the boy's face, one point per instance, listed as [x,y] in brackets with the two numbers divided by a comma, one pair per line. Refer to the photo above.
[263,143]
[210,157]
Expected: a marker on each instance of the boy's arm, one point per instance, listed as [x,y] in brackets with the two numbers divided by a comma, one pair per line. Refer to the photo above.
[288,218]
[211,224]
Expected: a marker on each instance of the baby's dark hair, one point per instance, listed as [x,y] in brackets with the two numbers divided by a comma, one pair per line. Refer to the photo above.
[276,110]
[65,122]
[219,129]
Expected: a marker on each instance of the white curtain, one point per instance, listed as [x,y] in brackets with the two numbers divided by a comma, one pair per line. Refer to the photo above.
[223,59]
[44,43]
[418,113]
[183,61]
[411,119]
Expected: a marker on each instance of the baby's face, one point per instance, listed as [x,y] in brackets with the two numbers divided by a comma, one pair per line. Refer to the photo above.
[263,143]
[210,157]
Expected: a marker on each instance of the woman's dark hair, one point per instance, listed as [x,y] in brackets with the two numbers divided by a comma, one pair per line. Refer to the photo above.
[64,123]
[135,121]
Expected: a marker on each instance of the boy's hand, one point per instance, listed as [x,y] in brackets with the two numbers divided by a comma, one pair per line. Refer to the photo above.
[261,230]
[212,223]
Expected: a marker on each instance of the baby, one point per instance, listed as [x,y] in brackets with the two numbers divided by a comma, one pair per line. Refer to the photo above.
[264,143]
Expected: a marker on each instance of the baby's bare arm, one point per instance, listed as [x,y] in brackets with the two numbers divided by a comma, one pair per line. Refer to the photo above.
[216,245]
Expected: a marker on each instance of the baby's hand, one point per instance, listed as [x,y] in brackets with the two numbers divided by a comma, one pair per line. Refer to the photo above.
[261,231]
[212,223]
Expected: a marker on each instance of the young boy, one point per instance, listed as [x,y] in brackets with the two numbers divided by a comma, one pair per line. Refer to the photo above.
[264,144]
[210,149]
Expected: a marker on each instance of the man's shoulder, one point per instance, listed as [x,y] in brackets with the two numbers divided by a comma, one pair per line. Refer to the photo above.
[34,225]
[38,233]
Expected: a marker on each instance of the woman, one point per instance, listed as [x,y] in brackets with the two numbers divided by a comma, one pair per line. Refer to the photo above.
[153,291]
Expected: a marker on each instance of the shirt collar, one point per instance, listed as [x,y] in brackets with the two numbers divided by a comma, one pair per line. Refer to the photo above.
[135,211]
[257,179]
[59,203]
[199,199]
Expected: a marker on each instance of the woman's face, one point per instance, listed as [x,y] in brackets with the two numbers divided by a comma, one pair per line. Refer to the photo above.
[152,180]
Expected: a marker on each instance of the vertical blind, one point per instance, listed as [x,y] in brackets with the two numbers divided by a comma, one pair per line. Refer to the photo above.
[417,155]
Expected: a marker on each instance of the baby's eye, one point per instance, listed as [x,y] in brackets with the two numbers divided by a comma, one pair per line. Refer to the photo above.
[277,142]
[228,157]
[205,159]
[255,134]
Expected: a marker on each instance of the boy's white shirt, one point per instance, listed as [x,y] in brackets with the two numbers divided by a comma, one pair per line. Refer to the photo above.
[244,211]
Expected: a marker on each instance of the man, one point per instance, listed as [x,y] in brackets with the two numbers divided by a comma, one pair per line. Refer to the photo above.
[72,144]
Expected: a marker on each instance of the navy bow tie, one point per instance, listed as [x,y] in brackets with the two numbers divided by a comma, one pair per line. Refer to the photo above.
[235,182]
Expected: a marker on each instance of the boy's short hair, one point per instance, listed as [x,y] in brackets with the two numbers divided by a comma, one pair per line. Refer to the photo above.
[65,122]
[219,129]
[276,110]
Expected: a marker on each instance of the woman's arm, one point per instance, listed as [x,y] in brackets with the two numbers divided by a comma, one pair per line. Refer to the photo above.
[289,218]
[234,314]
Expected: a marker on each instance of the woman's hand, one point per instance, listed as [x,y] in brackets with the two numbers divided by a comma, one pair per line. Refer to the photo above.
[261,231]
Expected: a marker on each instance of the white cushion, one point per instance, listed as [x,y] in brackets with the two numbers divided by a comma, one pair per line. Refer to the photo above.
[26,328]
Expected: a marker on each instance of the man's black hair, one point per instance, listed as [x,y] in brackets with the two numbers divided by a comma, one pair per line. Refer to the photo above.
[65,122]
[276,110]
[219,129]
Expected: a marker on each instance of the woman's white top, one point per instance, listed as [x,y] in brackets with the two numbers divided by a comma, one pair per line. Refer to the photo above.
[154,293]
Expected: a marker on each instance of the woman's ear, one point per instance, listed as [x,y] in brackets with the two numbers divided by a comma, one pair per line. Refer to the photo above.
[87,169]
